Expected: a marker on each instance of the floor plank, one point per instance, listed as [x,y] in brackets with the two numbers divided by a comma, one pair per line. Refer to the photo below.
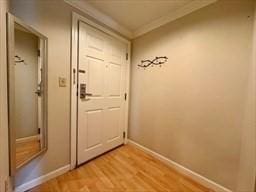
[123,169]
[26,150]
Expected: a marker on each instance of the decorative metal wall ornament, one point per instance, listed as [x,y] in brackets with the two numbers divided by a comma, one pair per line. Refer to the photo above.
[19,60]
[157,61]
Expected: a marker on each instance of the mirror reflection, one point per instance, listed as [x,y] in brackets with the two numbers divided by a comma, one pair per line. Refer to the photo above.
[28,95]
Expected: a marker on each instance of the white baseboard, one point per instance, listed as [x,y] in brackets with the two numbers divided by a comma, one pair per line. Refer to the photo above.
[183,170]
[42,179]
[27,139]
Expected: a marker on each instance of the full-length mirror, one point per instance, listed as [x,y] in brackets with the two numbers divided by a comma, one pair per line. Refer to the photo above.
[27,92]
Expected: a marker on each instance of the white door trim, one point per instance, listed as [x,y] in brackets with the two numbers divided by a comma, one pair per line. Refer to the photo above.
[73,82]
[42,179]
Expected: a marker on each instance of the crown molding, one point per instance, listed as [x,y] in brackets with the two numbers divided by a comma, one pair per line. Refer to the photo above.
[99,16]
[186,9]
[110,22]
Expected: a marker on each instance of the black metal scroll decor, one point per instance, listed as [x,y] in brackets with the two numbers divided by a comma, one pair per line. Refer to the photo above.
[157,61]
[19,60]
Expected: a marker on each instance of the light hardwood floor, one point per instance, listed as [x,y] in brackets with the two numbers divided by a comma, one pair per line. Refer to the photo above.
[26,150]
[123,169]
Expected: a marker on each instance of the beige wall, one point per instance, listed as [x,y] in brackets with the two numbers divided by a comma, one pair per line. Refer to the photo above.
[53,19]
[4,171]
[194,109]
[25,82]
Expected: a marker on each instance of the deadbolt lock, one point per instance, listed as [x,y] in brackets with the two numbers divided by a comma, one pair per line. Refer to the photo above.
[82,91]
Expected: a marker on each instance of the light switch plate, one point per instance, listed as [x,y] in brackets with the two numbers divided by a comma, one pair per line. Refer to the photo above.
[62,82]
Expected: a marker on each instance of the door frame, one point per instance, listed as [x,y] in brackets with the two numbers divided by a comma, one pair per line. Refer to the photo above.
[74,78]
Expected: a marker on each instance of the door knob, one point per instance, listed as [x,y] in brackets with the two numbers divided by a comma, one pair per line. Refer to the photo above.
[38,92]
[39,89]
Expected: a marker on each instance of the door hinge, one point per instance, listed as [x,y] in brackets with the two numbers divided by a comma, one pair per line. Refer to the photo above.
[124,134]
[77,87]
[74,76]
[125,96]
[39,131]
[38,53]
[126,56]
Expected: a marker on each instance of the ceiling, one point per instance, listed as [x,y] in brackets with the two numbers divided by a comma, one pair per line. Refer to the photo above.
[136,13]
[133,18]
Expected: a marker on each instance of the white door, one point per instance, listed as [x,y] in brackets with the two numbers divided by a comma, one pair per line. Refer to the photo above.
[101,92]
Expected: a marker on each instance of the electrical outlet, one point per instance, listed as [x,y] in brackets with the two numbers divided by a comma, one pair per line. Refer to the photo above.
[62,82]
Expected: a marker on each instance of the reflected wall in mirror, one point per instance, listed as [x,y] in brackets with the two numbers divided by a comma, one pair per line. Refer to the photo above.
[27,92]
[27,80]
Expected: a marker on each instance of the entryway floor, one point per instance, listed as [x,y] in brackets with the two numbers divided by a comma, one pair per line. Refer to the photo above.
[123,169]
[26,150]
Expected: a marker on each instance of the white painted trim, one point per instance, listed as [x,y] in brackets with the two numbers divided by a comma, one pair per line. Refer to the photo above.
[99,16]
[73,84]
[186,9]
[128,71]
[183,170]
[27,139]
[42,179]
[4,139]
[75,19]
[110,22]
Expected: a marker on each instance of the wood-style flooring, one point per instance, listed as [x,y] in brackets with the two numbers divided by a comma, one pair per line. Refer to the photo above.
[26,150]
[123,169]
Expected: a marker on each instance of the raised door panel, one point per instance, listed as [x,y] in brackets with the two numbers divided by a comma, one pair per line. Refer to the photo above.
[94,125]
[96,45]
[90,137]
[115,72]
[117,52]
[95,73]
[113,123]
